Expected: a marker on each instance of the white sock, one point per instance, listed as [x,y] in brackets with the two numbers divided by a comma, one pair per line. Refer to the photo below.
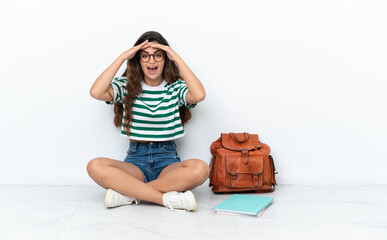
[164,199]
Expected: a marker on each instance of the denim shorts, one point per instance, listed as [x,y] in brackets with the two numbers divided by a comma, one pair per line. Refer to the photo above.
[151,158]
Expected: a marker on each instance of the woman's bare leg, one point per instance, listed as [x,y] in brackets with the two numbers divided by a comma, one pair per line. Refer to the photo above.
[182,176]
[124,178]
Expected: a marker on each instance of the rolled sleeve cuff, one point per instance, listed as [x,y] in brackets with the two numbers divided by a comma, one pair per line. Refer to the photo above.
[187,105]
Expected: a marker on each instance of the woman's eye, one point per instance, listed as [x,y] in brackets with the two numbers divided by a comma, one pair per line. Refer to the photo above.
[144,56]
[159,55]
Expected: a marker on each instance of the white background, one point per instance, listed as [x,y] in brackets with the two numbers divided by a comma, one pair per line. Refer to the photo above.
[308,76]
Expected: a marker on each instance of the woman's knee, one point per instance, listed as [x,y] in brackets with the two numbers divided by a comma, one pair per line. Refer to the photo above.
[95,166]
[199,170]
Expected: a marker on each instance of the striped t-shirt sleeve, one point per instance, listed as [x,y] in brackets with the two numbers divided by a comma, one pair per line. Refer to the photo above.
[119,89]
[182,93]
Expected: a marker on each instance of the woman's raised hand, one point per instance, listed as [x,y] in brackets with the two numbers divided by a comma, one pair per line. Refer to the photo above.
[170,53]
[129,54]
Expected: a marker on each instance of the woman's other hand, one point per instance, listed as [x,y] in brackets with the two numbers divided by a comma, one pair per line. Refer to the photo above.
[172,55]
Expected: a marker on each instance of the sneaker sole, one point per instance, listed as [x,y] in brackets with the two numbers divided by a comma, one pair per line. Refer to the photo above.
[194,201]
[108,194]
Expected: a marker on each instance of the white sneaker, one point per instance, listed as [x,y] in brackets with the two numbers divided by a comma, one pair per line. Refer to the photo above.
[178,200]
[115,199]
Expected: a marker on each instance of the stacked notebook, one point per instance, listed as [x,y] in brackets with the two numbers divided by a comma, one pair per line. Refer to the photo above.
[239,204]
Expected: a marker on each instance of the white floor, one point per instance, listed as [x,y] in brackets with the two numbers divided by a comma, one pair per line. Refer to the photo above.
[298,212]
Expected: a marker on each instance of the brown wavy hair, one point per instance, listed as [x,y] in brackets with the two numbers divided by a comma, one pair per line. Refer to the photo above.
[135,74]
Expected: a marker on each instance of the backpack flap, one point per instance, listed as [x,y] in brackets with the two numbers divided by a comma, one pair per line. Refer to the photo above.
[240,141]
[239,174]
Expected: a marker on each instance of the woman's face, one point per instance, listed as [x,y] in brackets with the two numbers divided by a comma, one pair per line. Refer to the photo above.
[152,62]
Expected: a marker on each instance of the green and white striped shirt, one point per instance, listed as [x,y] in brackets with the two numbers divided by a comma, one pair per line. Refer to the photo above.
[156,115]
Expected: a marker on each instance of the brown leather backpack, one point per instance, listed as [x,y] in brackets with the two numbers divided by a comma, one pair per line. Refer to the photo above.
[240,163]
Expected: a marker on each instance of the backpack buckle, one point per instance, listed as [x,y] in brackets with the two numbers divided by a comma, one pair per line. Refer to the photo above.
[245,155]
[245,152]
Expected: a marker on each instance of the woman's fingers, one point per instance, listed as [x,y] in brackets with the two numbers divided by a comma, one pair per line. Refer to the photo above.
[132,52]
[156,45]
[142,44]
[163,47]
[146,45]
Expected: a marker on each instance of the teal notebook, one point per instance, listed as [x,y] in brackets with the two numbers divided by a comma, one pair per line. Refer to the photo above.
[244,204]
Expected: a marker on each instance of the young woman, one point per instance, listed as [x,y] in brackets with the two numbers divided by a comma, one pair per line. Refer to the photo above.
[151,104]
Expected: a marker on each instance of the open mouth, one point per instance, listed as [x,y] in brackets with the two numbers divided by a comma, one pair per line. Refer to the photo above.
[152,70]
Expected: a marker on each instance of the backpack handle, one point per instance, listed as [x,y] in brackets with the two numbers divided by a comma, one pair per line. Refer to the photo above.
[238,137]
